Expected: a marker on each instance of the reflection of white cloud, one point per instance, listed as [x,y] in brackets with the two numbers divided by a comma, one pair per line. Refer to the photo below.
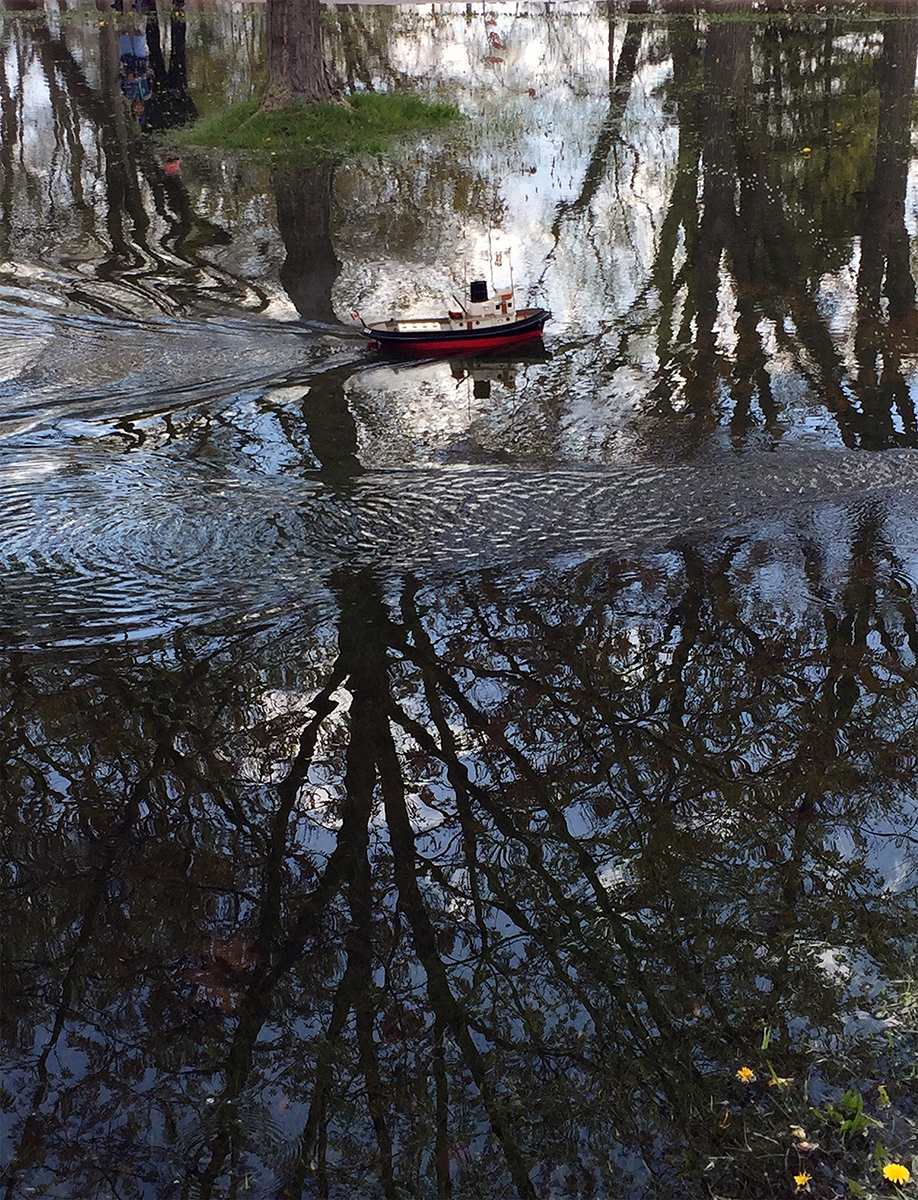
[571,177]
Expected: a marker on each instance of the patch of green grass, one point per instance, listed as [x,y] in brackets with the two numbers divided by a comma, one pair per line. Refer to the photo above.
[319,131]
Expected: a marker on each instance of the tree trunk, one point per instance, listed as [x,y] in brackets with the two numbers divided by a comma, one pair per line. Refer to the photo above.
[296,69]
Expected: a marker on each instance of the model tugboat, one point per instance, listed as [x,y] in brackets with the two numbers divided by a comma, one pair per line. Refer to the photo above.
[478,325]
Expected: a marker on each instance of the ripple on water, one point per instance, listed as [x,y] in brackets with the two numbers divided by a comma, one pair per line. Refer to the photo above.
[90,557]
[58,366]
[137,545]
[231,1146]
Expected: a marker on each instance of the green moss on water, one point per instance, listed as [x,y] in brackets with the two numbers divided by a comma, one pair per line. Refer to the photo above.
[318,131]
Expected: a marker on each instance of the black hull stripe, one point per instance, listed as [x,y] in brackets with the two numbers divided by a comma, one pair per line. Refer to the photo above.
[536,321]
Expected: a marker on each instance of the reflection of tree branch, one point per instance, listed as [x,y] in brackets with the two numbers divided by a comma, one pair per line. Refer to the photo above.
[312,1143]
[455,772]
[465,790]
[542,791]
[30,1141]
[442,1001]
[610,133]
[288,789]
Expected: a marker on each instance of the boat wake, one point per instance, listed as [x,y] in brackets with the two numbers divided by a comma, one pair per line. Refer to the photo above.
[156,476]
[88,557]
[59,366]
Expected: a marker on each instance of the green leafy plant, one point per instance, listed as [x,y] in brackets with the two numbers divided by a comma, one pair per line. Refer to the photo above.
[848,1116]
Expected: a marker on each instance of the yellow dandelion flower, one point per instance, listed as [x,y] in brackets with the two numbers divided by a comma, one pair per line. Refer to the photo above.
[746,1075]
[802,1180]
[896,1173]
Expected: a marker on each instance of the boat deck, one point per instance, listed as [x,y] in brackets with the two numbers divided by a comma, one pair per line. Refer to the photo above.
[455,322]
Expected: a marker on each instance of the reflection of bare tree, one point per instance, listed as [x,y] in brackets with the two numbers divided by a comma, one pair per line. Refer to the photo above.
[473,889]
[479,884]
[621,75]
[729,210]
[736,296]
[884,271]
[358,47]
[155,276]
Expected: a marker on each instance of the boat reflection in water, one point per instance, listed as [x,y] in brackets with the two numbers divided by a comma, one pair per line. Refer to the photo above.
[500,367]
[477,324]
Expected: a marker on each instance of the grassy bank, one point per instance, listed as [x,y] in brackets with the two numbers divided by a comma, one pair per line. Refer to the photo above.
[319,131]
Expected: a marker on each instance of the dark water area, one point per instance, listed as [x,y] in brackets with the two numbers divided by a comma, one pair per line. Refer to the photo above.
[477,778]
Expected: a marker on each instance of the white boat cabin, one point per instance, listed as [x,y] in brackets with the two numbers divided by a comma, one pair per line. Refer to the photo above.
[478,312]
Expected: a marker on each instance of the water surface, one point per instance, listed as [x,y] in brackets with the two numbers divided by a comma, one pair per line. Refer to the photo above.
[440,779]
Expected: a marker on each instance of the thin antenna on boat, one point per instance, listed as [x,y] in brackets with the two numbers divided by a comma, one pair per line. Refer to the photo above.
[510,260]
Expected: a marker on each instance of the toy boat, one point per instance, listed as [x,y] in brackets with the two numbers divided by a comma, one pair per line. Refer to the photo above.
[478,324]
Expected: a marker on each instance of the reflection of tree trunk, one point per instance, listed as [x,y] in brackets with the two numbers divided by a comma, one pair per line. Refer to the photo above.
[682,213]
[331,428]
[8,138]
[120,173]
[362,659]
[304,203]
[356,68]
[884,266]
[727,70]
[366,658]
[885,239]
[610,134]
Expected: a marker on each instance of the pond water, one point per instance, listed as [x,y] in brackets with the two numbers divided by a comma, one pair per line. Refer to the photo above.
[475,778]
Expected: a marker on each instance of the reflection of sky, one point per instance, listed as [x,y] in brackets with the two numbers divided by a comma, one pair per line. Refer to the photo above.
[595,275]
[416,414]
[538,147]
[474,201]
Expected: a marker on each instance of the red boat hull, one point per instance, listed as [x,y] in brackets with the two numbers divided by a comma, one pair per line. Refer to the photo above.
[465,346]
[430,345]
